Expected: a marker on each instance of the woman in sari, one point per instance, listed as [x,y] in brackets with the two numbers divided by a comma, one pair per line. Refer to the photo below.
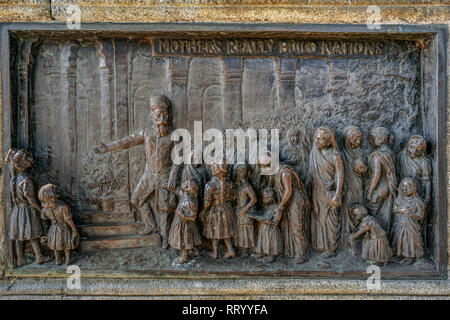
[294,204]
[382,181]
[414,163]
[354,168]
[293,208]
[326,174]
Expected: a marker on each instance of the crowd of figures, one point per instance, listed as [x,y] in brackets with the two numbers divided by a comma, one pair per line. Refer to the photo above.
[347,196]
[326,200]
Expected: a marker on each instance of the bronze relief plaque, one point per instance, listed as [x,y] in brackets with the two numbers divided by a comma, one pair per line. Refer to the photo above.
[89,118]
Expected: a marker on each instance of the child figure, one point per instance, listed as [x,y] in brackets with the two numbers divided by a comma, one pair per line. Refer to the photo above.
[217,213]
[62,234]
[25,224]
[270,242]
[183,233]
[245,201]
[375,245]
[409,212]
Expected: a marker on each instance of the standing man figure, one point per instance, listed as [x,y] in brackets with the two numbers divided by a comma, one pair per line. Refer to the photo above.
[149,194]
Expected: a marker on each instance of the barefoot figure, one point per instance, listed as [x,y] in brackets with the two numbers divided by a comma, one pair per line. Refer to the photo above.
[183,234]
[217,213]
[245,202]
[414,163]
[151,199]
[25,224]
[355,168]
[382,183]
[409,212]
[326,174]
[375,245]
[295,206]
[270,242]
[62,235]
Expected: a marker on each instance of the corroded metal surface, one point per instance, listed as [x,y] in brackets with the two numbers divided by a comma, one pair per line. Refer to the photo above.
[276,78]
[329,82]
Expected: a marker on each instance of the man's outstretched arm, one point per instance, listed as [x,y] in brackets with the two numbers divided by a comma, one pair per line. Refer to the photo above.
[130,141]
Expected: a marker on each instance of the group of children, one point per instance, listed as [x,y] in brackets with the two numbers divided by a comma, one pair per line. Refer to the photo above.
[219,221]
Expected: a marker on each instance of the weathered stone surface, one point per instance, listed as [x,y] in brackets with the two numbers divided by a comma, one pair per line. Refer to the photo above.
[25,10]
[448,158]
[119,240]
[213,288]
[253,11]
[293,11]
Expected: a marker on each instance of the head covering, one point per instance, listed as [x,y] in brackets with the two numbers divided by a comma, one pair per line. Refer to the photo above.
[21,159]
[219,167]
[269,192]
[421,139]
[388,137]
[364,209]
[292,131]
[414,182]
[401,200]
[347,134]
[240,170]
[331,134]
[159,101]
[316,159]
[191,183]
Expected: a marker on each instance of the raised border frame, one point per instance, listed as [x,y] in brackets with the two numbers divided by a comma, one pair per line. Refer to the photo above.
[433,96]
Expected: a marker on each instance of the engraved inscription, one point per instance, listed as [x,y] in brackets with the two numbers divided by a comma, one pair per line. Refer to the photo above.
[267,47]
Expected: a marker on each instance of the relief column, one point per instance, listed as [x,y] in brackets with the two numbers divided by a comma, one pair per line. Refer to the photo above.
[68,159]
[233,89]
[24,92]
[286,68]
[178,77]
[121,84]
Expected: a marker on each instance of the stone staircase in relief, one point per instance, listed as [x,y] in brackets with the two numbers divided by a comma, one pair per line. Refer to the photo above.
[112,230]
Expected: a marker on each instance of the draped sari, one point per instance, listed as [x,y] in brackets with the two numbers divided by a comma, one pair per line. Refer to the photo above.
[407,238]
[354,189]
[386,187]
[293,223]
[326,226]
[420,169]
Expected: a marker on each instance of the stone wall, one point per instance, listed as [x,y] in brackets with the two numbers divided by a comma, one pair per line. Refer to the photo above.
[245,11]
[274,11]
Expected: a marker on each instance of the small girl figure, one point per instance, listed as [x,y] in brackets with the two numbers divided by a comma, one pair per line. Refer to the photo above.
[183,234]
[270,241]
[375,245]
[217,215]
[409,212]
[245,201]
[62,235]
